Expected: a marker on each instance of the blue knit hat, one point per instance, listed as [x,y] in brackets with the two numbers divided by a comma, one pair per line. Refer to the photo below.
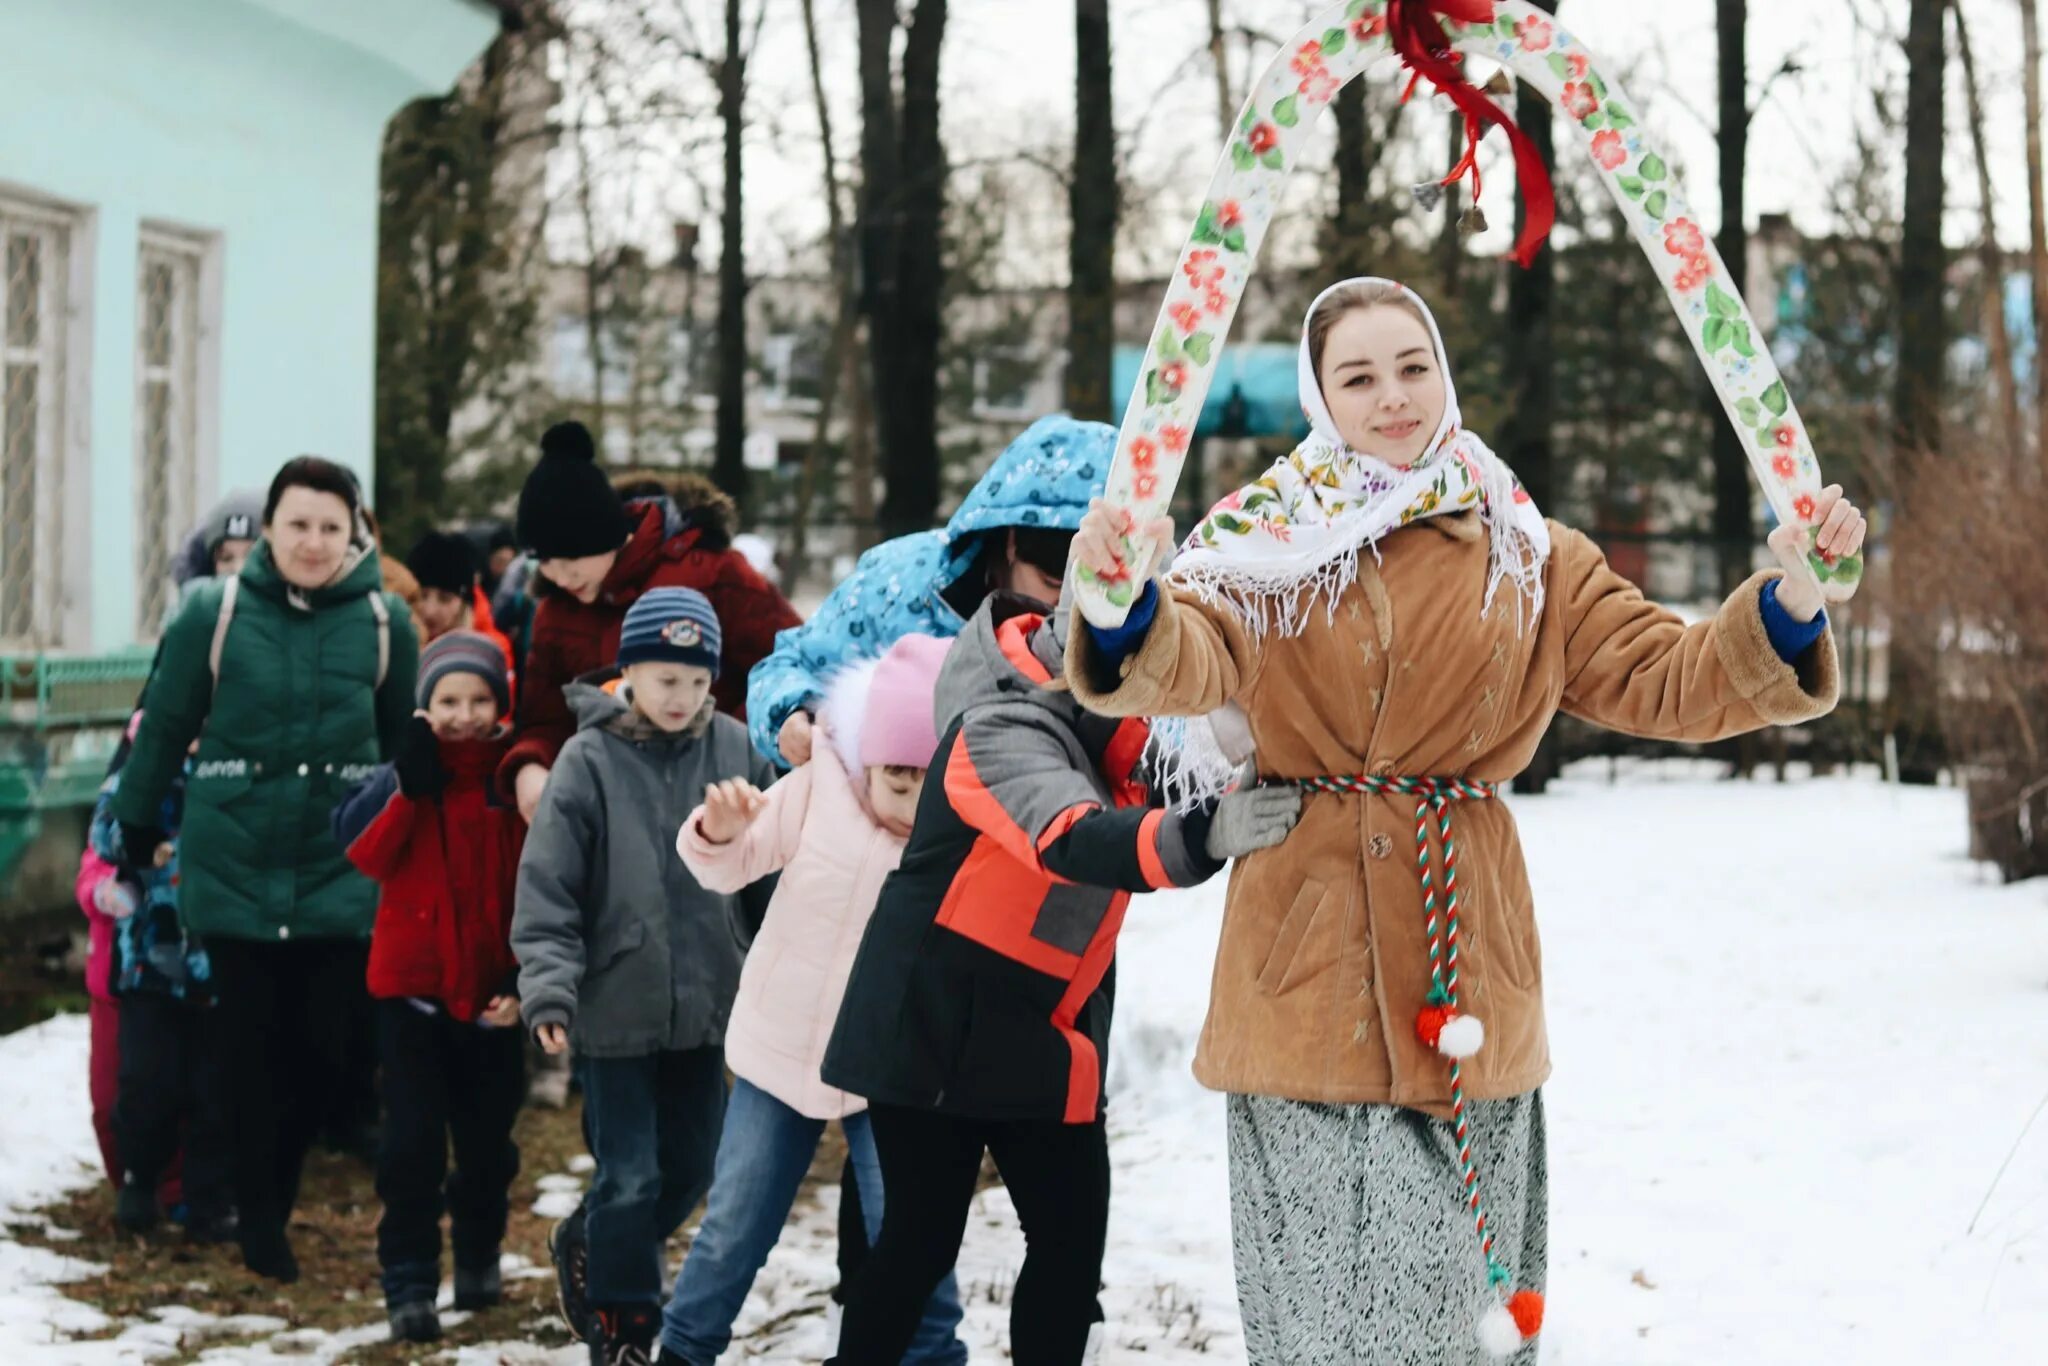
[670,626]
[464,652]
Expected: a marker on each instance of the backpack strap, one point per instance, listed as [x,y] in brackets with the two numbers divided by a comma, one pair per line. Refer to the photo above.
[381,610]
[228,592]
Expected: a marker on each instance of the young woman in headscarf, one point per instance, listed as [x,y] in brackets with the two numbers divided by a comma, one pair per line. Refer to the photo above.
[1398,624]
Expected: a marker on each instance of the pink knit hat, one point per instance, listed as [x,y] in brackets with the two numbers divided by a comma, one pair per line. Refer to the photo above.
[897,726]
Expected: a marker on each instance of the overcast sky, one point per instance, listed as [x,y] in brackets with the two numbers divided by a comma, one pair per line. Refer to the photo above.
[1008,73]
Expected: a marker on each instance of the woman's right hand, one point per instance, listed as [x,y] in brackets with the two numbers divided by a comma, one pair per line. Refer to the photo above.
[1099,542]
[729,808]
[553,1038]
[794,739]
[527,787]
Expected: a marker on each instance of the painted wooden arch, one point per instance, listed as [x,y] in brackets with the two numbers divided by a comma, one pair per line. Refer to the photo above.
[1274,129]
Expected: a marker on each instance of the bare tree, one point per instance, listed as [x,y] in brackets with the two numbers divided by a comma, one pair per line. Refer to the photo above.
[2037,217]
[1919,381]
[729,466]
[1734,514]
[842,360]
[1993,263]
[1219,60]
[903,179]
[1530,370]
[1092,197]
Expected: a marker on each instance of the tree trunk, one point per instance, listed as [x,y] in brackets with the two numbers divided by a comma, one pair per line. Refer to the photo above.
[1530,371]
[880,190]
[593,291]
[1219,61]
[1450,245]
[729,466]
[902,202]
[2037,220]
[1734,516]
[2005,384]
[1917,396]
[845,316]
[1092,199]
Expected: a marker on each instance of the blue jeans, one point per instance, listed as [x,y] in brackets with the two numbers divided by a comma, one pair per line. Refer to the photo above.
[653,1126]
[762,1158]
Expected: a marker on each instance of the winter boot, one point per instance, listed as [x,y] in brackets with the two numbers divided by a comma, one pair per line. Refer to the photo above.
[210,1228]
[135,1208]
[478,1287]
[570,1249]
[624,1335]
[414,1321]
[268,1252]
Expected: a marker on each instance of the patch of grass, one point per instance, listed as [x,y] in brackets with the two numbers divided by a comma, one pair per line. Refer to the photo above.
[334,1232]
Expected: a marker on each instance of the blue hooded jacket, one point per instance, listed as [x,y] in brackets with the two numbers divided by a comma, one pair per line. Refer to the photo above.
[1044,479]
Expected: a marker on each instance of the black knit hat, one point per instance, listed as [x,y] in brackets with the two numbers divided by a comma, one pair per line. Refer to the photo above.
[567,509]
[444,560]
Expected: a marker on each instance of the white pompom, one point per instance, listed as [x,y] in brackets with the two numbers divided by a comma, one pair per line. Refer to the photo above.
[1462,1036]
[1498,1333]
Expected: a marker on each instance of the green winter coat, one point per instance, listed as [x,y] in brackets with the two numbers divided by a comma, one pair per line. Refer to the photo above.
[296,718]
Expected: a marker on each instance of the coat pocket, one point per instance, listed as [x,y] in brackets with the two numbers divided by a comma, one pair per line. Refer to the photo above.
[618,941]
[1284,968]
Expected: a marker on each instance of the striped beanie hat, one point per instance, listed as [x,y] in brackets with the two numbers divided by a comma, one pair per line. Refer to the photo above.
[465,652]
[670,626]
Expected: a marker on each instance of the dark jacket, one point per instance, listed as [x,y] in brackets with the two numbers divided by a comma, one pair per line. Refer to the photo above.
[446,867]
[614,937]
[296,719]
[153,955]
[571,638]
[983,986]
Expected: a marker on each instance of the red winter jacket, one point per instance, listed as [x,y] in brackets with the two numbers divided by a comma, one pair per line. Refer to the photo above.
[572,638]
[446,869]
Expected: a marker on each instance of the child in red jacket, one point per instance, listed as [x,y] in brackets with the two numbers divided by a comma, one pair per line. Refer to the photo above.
[432,830]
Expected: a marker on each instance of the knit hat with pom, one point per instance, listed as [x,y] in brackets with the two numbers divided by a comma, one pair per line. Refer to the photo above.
[444,560]
[898,727]
[568,509]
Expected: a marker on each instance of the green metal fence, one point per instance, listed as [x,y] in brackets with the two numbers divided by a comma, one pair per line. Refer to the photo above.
[60,719]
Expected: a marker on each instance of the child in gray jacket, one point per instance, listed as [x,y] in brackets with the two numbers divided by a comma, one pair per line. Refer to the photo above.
[622,952]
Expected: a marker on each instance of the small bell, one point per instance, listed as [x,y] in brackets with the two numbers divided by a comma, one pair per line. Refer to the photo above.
[1472,222]
[1428,195]
[1500,83]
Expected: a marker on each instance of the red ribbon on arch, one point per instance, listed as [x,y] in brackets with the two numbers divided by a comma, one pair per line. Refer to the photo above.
[1415,27]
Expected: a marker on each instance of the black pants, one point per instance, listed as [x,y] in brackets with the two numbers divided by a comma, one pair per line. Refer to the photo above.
[853,1231]
[444,1080]
[284,1016]
[1058,1178]
[174,1094]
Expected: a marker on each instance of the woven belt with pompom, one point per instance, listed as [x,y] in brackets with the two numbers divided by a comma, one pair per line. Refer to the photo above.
[1517,1315]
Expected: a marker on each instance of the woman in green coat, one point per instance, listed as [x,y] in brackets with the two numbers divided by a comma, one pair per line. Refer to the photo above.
[295,679]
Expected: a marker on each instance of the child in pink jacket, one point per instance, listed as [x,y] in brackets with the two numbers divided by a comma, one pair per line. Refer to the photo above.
[835,828]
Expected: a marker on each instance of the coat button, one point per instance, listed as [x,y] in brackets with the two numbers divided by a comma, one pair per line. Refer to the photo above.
[1381,845]
[302,770]
[284,931]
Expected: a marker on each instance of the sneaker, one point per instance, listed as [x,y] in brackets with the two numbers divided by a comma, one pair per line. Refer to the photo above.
[478,1287]
[135,1208]
[268,1252]
[623,1336]
[571,1253]
[414,1321]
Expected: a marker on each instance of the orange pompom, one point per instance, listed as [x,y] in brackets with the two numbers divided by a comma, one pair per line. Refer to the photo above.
[1527,1308]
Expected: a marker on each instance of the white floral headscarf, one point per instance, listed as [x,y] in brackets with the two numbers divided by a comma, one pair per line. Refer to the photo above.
[1269,550]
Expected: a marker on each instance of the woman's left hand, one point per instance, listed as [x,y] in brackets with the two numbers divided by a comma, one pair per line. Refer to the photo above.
[502,1012]
[1841,531]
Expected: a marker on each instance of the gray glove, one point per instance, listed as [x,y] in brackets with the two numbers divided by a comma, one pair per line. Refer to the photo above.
[1251,818]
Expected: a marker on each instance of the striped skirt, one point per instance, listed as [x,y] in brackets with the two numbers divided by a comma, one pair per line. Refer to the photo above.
[1352,1245]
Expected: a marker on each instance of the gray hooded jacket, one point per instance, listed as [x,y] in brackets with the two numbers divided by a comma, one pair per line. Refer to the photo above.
[614,937]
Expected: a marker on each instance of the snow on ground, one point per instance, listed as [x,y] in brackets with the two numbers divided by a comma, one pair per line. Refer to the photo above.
[1796,1036]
